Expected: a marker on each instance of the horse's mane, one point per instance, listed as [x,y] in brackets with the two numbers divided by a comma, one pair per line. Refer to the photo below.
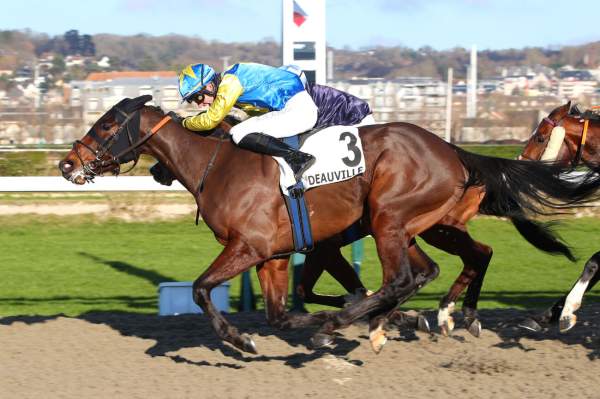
[232,118]
[216,133]
[156,108]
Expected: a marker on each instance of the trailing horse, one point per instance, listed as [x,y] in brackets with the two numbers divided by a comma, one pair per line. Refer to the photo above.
[568,137]
[413,180]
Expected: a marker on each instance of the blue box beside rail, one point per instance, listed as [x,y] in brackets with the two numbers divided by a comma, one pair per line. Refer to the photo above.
[175,298]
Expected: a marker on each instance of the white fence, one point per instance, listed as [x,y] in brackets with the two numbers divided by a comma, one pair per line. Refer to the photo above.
[107,183]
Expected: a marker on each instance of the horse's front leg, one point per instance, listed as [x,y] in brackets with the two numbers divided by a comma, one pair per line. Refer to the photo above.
[273,279]
[563,309]
[235,258]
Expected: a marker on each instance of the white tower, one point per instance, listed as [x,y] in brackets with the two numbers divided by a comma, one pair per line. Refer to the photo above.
[472,85]
[304,37]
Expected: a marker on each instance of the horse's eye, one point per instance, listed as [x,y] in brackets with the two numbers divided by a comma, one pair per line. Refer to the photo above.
[539,138]
[105,126]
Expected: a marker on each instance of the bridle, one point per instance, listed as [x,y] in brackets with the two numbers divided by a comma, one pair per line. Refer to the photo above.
[580,146]
[110,152]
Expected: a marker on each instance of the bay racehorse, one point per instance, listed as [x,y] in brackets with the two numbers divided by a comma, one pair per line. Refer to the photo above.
[569,137]
[413,179]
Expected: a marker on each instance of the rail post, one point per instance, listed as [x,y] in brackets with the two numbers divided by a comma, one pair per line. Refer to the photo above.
[247,300]
[358,253]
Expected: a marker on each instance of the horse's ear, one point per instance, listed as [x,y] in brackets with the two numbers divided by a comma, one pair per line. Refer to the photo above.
[569,105]
[138,102]
[133,104]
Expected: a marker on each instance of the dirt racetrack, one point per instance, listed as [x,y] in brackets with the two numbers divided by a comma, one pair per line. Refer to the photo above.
[120,355]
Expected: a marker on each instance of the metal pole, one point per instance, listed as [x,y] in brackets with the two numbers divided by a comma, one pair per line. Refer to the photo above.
[449,106]
[247,301]
[358,253]
[225,59]
[472,85]
[329,65]
[297,265]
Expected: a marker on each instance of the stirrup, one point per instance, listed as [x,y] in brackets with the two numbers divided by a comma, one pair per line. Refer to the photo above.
[295,191]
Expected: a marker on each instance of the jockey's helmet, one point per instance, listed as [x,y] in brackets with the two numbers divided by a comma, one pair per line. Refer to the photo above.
[194,78]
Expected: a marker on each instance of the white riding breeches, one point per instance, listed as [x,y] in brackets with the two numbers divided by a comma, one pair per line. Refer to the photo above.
[297,116]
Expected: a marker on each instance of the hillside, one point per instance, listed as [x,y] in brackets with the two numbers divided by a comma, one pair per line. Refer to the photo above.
[170,52]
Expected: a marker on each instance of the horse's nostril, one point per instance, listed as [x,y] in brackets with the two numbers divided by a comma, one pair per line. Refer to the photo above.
[65,166]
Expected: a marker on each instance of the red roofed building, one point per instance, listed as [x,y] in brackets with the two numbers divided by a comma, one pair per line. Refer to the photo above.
[102,76]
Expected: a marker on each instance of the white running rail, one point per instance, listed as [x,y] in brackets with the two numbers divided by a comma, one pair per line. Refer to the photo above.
[106,183]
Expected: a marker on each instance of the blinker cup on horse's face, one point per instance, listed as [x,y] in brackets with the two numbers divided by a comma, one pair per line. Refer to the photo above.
[548,141]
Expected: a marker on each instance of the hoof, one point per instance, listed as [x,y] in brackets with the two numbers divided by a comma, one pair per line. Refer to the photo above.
[447,327]
[248,344]
[474,328]
[378,339]
[531,325]
[423,324]
[567,322]
[320,340]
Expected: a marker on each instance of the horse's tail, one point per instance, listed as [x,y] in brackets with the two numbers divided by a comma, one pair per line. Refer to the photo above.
[519,189]
[543,237]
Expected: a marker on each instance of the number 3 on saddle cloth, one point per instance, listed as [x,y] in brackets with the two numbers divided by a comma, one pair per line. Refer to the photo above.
[339,156]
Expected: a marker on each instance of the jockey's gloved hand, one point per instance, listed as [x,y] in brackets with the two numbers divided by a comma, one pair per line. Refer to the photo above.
[176,117]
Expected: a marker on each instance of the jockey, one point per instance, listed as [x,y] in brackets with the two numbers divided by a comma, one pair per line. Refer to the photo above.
[261,89]
[256,89]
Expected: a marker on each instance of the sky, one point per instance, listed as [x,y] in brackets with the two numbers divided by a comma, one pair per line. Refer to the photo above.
[441,24]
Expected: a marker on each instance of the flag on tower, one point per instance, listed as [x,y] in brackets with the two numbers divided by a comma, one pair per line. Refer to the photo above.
[299,14]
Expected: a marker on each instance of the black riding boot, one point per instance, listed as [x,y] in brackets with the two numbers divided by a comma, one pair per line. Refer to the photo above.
[299,161]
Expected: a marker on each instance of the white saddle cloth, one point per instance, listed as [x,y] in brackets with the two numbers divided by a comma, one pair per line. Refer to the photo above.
[339,155]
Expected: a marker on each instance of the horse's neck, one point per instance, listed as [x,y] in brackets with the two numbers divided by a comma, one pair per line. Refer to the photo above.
[592,142]
[186,154]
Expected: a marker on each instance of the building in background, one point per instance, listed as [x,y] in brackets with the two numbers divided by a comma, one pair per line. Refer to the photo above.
[573,83]
[101,90]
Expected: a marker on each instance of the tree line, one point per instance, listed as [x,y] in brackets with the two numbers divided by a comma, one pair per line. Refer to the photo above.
[171,52]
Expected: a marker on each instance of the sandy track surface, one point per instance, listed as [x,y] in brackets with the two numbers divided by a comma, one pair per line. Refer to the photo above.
[146,356]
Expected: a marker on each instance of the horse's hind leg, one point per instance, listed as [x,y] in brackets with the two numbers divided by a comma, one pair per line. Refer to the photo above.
[235,258]
[398,283]
[476,258]
[420,263]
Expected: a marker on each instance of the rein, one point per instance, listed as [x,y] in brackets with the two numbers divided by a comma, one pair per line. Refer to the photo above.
[579,152]
[209,166]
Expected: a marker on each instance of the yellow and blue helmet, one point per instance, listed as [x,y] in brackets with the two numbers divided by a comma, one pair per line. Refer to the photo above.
[194,78]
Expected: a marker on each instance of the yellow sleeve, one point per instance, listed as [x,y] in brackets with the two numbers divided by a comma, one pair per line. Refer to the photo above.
[230,89]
